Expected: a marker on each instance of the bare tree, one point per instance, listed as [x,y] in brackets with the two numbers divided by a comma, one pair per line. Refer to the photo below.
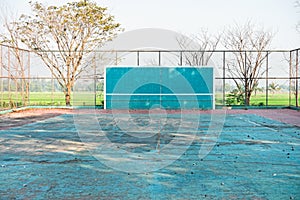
[16,66]
[202,45]
[249,44]
[64,36]
[297,3]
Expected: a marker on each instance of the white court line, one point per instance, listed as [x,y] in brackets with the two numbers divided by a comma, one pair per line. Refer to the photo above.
[159,94]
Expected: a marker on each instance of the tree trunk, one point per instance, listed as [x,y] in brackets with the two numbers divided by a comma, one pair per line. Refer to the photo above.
[68,96]
[26,93]
[247,100]
[297,100]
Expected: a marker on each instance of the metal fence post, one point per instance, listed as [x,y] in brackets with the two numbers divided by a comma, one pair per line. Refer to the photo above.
[95,81]
[180,61]
[297,79]
[159,58]
[224,82]
[1,77]
[29,79]
[9,76]
[246,81]
[52,85]
[290,79]
[267,79]
[116,58]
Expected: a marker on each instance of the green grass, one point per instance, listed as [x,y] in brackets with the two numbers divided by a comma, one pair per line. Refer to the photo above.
[281,99]
[277,99]
[88,98]
[53,99]
[46,98]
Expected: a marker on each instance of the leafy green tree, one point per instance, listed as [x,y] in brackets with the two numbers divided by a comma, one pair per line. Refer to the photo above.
[64,36]
[236,96]
[273,87]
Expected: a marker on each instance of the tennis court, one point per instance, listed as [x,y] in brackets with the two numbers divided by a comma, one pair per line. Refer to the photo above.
[44,155]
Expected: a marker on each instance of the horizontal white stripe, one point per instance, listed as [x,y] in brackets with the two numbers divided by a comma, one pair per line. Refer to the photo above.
[159,94]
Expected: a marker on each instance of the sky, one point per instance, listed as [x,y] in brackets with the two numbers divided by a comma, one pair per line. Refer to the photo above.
[190,16]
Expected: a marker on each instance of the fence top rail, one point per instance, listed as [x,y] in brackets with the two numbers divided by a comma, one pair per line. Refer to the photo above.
[298,49]
[189,50]
[178,51]
[166,50]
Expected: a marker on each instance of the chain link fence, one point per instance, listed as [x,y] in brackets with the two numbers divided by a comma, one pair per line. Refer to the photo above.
[26,81]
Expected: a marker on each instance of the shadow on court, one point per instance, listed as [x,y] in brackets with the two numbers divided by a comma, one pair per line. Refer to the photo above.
[254,158]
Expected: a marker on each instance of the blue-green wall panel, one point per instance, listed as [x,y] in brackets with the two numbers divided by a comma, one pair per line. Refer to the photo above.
[128,87]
